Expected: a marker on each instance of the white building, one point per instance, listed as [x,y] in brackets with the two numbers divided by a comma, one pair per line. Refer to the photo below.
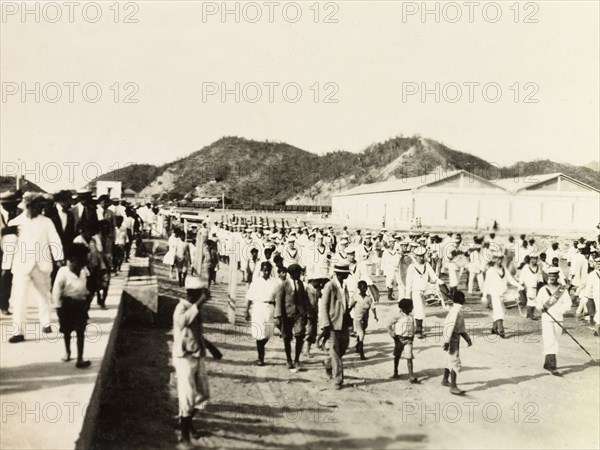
[110,188]
[461,199]
[552,201]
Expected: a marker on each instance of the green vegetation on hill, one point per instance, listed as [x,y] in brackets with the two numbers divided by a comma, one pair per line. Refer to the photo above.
[135,176]
[251,171]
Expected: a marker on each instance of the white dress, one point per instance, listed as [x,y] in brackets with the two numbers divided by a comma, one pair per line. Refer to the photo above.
[262,294]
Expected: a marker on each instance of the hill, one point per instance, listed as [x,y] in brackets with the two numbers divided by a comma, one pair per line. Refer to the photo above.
[134,176]
[249,171]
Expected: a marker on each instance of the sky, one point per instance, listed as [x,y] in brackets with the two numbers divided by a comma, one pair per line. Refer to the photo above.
[95,86]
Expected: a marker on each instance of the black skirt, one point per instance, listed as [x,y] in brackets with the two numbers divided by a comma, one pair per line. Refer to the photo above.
[72,315]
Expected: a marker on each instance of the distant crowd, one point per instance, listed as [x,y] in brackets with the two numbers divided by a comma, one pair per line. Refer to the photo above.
[59,251]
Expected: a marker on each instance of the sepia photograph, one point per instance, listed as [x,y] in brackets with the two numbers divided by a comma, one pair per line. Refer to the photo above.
[310,224]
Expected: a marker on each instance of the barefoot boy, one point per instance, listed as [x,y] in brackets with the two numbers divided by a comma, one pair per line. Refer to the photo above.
[402,331]
[454,328]
[361,302]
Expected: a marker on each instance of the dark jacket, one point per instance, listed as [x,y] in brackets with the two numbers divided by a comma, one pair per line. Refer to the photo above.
[68,233]
[289,303]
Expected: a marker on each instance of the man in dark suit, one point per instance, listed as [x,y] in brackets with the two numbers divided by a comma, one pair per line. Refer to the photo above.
[64,221]
[290,314]
[9,202]
[84,210]
[63,218]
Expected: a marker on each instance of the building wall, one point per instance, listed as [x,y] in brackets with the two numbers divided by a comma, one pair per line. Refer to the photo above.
[452,206]
[462,208]
[370,209]
[110,188]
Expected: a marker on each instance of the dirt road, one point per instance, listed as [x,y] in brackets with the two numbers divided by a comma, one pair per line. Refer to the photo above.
[511,402]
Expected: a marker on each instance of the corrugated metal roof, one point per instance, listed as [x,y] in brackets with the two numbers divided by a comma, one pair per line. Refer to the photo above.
[509,184]
[515,184]
[403,184]
[406,184]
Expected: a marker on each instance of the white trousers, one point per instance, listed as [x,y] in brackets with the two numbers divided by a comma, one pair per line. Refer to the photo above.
[389,282]
[418,309]
[452,275]
[551,331]
[26,288]
[497,307]
[480,281]
[192,384]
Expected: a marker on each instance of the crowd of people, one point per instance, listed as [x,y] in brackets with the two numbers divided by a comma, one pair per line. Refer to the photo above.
[314,286]
[58,252]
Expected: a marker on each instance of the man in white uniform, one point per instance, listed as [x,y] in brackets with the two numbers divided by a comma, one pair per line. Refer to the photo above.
[531,277]
[418,276]
[554,301]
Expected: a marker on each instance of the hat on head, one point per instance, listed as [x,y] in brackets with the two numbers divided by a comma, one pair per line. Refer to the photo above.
[291,239]
[420,251]
[9,197]
[534,255]
[350,250]
[84,193]
[341,268]
[553,270]
[294,268]
[343,241]
[62,196]
[597,259]
[30,198]
[581,246]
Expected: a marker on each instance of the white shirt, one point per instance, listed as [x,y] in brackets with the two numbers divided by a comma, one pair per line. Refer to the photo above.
[531,279]
[262,291]
[496,281]
[62,215]
[68,284]
[359,272]
[579,269]
[558,309]
[418,277]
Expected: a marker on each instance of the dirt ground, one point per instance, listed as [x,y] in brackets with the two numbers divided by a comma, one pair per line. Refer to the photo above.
[511,401]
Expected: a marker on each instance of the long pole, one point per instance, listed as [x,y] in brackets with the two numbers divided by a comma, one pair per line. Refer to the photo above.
[571,336]
[18,176]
